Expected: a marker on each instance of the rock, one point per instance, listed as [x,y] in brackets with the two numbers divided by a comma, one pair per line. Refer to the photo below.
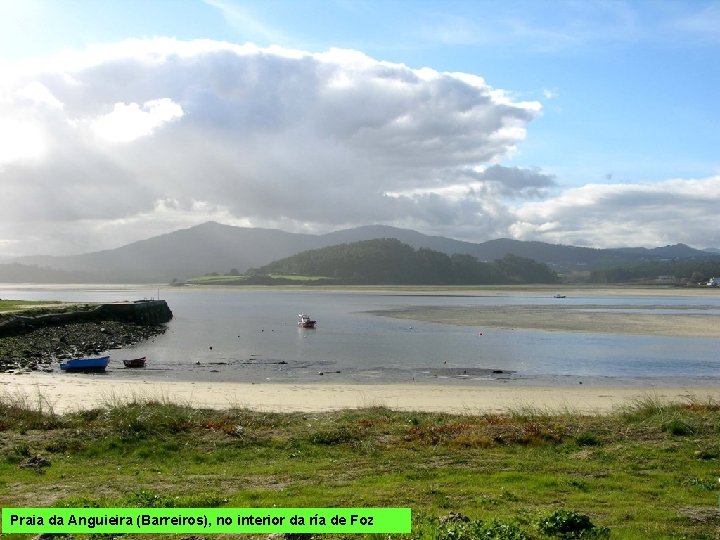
[52,343]
[454,517]
[36,462]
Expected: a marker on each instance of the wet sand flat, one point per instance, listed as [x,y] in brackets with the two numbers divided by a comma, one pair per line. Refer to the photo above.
[577,318]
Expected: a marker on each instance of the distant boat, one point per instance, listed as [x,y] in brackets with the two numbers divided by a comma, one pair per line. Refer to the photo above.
[305,321]
[559,296]
[134,362]
[86,364]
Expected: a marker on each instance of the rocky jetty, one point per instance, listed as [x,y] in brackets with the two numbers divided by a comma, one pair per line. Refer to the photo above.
[35,342]
[143,312]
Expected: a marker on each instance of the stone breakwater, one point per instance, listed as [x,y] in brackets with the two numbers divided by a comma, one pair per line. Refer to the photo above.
[144,312]
[35,342]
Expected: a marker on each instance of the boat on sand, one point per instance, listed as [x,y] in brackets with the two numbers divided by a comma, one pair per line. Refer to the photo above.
[86,364]
[134,362]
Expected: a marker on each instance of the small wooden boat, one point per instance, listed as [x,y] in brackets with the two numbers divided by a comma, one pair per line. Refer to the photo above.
[305,321]
[86,364]
[134,362]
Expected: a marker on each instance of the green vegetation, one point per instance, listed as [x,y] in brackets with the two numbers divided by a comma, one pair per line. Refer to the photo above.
[684,272]
[22,305]
[649,471]
[270,279]
[390,262]
[11,308]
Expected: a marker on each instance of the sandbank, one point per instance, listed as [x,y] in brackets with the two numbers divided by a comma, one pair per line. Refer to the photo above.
[66,393]
[684,321]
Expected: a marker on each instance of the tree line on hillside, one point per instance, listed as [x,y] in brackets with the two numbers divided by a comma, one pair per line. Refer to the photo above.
[681,272]
[390,262]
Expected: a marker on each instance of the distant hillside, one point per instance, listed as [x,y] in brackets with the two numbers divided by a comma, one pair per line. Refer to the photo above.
[25,273]
[390,262]
[189,252]
[406,236]
[560,257]
[681,272]
[212,247]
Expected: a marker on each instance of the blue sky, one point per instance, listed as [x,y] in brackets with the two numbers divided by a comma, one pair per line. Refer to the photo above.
[626,95]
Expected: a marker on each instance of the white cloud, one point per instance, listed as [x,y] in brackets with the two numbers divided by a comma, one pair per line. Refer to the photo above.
[122,142]
[22,127]
[265,135]
[611,215]
[128,122]
[20,141]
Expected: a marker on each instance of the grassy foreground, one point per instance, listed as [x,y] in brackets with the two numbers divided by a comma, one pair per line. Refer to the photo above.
[648,471]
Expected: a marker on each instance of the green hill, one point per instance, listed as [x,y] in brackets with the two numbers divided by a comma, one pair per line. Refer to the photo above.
[682,272]
[388,261]
[212,247]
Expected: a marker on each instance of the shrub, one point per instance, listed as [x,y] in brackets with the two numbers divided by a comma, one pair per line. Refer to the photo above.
[587,438]
[569,524]
[677,426]
[460,529]
[331,436]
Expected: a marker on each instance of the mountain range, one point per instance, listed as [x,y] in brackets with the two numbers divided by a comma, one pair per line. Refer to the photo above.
[213,247]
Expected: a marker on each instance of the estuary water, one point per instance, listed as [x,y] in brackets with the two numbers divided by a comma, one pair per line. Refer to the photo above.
[229,334]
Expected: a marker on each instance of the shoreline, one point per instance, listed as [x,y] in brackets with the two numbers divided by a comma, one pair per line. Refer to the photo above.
[63,393]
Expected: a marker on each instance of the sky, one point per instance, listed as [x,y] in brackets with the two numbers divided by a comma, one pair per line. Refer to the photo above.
[590,123]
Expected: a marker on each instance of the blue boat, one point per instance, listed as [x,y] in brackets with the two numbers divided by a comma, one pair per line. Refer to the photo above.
[86,364]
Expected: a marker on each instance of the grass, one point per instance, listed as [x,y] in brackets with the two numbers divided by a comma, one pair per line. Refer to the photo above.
[298,277]
[647,471]
[219,280]
[251,280]
[21,305]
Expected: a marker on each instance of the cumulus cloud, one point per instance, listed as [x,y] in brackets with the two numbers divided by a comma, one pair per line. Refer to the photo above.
[262,135]
[611,215]
[125,141]
[19,141]
[517,181]
[127,122]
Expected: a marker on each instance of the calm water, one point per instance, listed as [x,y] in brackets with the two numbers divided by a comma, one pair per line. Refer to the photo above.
[251,335]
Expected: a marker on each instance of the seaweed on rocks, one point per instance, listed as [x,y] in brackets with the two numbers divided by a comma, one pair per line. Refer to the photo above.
[38,349]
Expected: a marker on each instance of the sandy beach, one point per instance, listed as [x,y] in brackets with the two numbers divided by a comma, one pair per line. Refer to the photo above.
[66,393]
